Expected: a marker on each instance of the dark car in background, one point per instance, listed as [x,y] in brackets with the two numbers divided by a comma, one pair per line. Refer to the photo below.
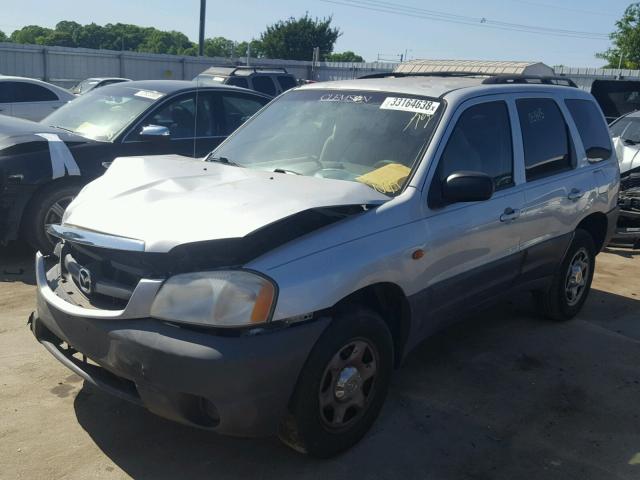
[44,165]
[268,80]
[85,86]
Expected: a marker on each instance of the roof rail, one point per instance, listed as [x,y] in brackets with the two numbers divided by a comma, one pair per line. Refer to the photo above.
[423,74]
[544,79]
[490,80]
[257,69]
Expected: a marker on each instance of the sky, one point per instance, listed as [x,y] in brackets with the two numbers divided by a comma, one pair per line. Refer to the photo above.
[370,33]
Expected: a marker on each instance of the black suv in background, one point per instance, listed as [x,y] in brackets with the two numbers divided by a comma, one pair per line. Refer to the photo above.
[267,80]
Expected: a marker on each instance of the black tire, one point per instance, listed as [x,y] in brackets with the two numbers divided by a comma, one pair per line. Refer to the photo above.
[557,303]
[306,427]
[39,213]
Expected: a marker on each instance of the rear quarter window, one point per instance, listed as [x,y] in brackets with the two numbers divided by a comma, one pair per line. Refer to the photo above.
[591,127]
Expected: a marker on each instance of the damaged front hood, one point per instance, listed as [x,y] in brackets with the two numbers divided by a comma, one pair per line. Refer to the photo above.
[628,157]
[167,201]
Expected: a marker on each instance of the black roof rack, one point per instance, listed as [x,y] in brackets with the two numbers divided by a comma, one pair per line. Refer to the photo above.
[533,79]
[258,69]
[491,79]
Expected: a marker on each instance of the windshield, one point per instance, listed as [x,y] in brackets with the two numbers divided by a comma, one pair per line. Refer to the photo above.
[627,128]
[370,137]
[104,112]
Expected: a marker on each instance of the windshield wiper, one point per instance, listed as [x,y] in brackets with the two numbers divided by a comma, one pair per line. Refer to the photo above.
[63,128]
[223,160]
[286,170]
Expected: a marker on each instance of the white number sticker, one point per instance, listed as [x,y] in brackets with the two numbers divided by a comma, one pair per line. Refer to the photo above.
[415,105]
[150,94]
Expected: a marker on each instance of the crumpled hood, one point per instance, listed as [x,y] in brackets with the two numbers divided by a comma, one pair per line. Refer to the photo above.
[170,200]
[628,157]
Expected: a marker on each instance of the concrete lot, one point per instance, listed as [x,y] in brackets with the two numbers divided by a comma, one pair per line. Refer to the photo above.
[504,395]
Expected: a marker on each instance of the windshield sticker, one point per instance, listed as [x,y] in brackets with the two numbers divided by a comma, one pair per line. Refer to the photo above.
[341,97]
[150,94]
[415,105]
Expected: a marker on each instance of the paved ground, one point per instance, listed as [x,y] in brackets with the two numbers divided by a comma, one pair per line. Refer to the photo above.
[504,395]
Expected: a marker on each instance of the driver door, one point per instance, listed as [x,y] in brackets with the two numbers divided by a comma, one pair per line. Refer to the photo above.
[472,248]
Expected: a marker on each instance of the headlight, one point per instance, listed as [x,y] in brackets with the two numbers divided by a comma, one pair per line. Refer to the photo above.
[218,299]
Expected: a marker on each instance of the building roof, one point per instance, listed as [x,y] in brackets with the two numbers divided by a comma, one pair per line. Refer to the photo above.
[482,67]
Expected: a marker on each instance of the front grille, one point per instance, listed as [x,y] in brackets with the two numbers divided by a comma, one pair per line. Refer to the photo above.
[109,277]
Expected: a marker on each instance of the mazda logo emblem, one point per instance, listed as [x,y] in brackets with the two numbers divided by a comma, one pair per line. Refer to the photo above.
[84,281]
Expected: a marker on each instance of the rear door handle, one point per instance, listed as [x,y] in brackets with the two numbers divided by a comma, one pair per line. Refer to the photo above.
[509,214]
[575,194]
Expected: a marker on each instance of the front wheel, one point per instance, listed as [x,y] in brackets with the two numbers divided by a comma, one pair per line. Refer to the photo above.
[572,282]
[342,386]
[46,208]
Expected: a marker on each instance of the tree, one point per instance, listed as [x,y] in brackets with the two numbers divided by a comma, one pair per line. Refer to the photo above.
[31,34]
[625,50]
[347,56]
[219,47]
[3,37]
[295,39]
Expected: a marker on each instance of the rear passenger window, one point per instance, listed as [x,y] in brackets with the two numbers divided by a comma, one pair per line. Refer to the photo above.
[593,130]
[264,84]
[238,109]
[481,142]
[545,137]
[29,92]
[238,82]
[286,82]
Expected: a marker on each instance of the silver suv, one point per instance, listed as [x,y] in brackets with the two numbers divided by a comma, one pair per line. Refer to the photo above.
[274,286]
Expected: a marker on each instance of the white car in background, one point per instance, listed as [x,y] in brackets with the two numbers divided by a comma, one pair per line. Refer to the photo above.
[30,98]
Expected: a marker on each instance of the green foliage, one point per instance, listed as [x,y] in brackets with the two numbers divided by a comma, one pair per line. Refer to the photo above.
[347,56]
[626,40]
[290,39]
[3,37]
[295,39]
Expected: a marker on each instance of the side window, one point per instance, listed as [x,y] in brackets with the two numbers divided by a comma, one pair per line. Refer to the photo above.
[178,115]
[481,142]
[286,82]
[593,131]
[264,84]
[238,109]
[6,92]
[29,92]
[545,137]
[238,82]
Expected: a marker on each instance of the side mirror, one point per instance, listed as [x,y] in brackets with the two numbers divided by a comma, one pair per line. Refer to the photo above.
[598,153]
[155,132]
[467,186]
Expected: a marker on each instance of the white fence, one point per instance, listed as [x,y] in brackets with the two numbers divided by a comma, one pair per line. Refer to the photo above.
[66,66]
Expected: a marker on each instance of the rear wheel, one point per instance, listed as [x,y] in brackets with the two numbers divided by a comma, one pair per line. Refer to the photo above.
[46,208]
[342,386]
[572,282]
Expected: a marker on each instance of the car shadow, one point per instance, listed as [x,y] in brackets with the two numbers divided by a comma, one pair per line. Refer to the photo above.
[16,263]
[622,251]
[501,394]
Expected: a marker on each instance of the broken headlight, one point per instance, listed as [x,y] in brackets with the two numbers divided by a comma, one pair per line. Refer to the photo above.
[234,298]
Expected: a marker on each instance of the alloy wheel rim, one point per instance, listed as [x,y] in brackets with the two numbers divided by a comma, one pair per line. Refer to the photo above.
[55,212]
[348,384]
[577,276]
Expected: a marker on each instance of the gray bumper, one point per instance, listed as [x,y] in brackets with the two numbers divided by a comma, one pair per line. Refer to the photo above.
[236,385]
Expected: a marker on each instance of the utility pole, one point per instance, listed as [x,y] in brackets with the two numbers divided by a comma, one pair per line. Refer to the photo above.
[203,7]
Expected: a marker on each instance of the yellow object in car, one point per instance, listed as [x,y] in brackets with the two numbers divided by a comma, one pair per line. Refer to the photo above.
[387,179]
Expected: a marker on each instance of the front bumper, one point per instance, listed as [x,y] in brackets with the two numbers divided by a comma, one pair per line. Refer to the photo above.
[235,385]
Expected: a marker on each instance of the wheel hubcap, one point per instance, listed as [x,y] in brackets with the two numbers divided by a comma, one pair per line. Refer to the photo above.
[577,275]
[347,384]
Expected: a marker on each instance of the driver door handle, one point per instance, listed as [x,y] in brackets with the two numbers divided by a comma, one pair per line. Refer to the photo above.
[509,215]
[575,194]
